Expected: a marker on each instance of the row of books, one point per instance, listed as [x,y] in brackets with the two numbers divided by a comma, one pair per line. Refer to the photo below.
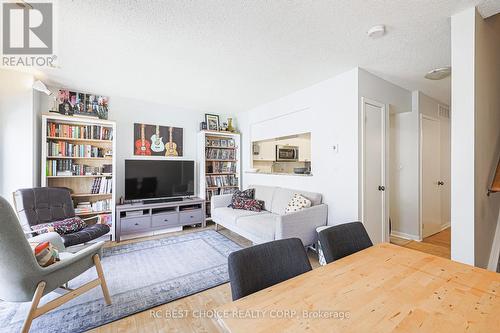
[219,181]
[218,191]
[68,168]
[102,185]
[221,167]
[94,132]
[89,207]
[219,142]
[220,154]
[67,149]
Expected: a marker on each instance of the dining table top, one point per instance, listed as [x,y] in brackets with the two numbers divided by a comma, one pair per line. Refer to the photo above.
[384,288]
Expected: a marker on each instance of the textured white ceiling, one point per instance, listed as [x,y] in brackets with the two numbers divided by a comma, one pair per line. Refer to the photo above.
[231,55]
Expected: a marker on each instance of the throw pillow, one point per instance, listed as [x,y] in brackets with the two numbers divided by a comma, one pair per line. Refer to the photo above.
[249,204]
[45,253]
[66,226]
[297,203]
[239,195]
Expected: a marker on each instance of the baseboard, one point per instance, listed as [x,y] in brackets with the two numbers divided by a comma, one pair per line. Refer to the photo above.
[405,236]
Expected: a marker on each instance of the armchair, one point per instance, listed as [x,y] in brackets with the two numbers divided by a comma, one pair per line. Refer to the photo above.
[47,204]
[22,279]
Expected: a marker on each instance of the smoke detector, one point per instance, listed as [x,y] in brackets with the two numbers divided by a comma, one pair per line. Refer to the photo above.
[438,73]
[376,31]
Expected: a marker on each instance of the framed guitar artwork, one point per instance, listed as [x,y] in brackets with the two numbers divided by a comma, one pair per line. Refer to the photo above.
[156,140]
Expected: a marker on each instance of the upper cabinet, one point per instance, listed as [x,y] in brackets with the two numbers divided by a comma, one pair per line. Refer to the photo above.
[264,150]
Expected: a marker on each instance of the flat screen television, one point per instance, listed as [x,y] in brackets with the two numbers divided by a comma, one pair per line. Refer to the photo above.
[155,179]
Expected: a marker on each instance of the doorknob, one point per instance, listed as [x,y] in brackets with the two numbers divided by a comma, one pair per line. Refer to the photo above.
[440,182]
[381,188]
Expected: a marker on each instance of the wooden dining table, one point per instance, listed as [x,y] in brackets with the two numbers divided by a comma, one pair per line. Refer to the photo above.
[385,288]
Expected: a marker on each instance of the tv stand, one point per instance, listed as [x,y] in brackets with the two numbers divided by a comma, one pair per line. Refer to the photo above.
[158,216]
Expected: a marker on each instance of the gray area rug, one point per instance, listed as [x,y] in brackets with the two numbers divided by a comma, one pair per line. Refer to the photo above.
[139,276]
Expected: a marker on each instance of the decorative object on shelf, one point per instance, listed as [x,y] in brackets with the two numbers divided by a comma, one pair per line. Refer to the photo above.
[230,127]
[212,121]
[203,126]
[81,104]
[151,140]
[223,128]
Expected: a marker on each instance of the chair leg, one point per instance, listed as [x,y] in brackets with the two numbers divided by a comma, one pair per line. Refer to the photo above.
[100,273]
[34,305]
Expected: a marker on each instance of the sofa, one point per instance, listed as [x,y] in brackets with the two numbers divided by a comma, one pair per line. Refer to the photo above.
[271,223]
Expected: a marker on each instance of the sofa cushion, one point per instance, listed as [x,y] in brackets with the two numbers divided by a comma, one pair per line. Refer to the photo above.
[298,203]
[282,196]
[239,196]
[264,193]
[226,215]
[248,204]
[263,226]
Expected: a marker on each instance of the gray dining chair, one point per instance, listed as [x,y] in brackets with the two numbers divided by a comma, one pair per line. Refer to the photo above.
[342,240]
[47,204]
[264,265]
[22,279]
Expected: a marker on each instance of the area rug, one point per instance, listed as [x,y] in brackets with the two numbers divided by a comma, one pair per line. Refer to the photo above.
[139,276]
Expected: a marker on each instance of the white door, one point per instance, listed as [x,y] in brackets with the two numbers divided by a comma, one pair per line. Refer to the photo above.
[374,210]
[431,176]
[445,165]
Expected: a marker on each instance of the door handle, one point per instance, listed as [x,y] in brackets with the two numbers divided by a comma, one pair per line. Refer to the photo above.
[440,182]
[381,188]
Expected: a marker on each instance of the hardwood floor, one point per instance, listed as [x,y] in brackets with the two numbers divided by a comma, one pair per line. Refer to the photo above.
[196,308]
[438,244]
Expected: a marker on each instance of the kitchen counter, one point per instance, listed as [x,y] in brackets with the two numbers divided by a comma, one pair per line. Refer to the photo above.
[279,173]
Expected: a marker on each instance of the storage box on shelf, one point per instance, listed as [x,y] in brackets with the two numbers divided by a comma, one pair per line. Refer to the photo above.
[78,153]
[219,170]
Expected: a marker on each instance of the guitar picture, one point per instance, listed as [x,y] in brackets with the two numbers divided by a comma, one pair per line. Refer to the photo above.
[157,144]
[171,147]
[142,146]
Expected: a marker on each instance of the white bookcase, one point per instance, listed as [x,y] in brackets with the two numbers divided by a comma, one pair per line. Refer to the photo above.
[73,147]
[219,164]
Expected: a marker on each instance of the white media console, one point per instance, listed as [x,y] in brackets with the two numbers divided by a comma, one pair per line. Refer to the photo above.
[147,219]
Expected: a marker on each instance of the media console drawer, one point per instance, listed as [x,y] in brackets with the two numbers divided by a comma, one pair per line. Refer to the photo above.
[133,224]
[165,220]
[190,216]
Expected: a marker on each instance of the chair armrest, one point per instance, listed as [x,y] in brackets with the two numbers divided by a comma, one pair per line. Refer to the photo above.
[222,200]
[302,224]
[86,253]
[53,237]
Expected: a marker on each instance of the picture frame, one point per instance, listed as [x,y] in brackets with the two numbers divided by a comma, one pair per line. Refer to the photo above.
[212,121]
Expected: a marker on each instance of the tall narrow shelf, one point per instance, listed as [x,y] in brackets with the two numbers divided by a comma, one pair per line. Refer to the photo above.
[82,145]
[220,167]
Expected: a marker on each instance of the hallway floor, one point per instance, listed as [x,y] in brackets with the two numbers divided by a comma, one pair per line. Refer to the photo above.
[438,244]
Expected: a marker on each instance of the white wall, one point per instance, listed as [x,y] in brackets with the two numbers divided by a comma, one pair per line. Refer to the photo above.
[487,133]
[16,132]
[329,110]
[475,135]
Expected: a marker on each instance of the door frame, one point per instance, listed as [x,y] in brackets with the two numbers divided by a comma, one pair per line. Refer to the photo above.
[421,171]
[385,162]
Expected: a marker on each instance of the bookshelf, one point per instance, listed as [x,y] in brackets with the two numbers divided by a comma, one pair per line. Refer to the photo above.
[219,169]
[79,153]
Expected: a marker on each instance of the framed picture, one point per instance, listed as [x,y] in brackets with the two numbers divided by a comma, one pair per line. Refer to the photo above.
[81,104]
[156,140]
[212,121]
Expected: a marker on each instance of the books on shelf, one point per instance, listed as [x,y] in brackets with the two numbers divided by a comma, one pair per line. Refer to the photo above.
[219,142]
[217,191]
[85,207]
[220,181]
[67,149]
[221,167]
[69,168]
[90,132]
[220,154]
[102,185]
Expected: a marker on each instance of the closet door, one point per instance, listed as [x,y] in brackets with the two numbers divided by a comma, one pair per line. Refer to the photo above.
[445,189]
[431,175]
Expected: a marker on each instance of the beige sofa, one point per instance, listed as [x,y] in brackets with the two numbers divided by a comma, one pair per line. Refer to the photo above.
[272,223]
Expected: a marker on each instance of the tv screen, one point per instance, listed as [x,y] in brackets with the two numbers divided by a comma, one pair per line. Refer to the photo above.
[158,179]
